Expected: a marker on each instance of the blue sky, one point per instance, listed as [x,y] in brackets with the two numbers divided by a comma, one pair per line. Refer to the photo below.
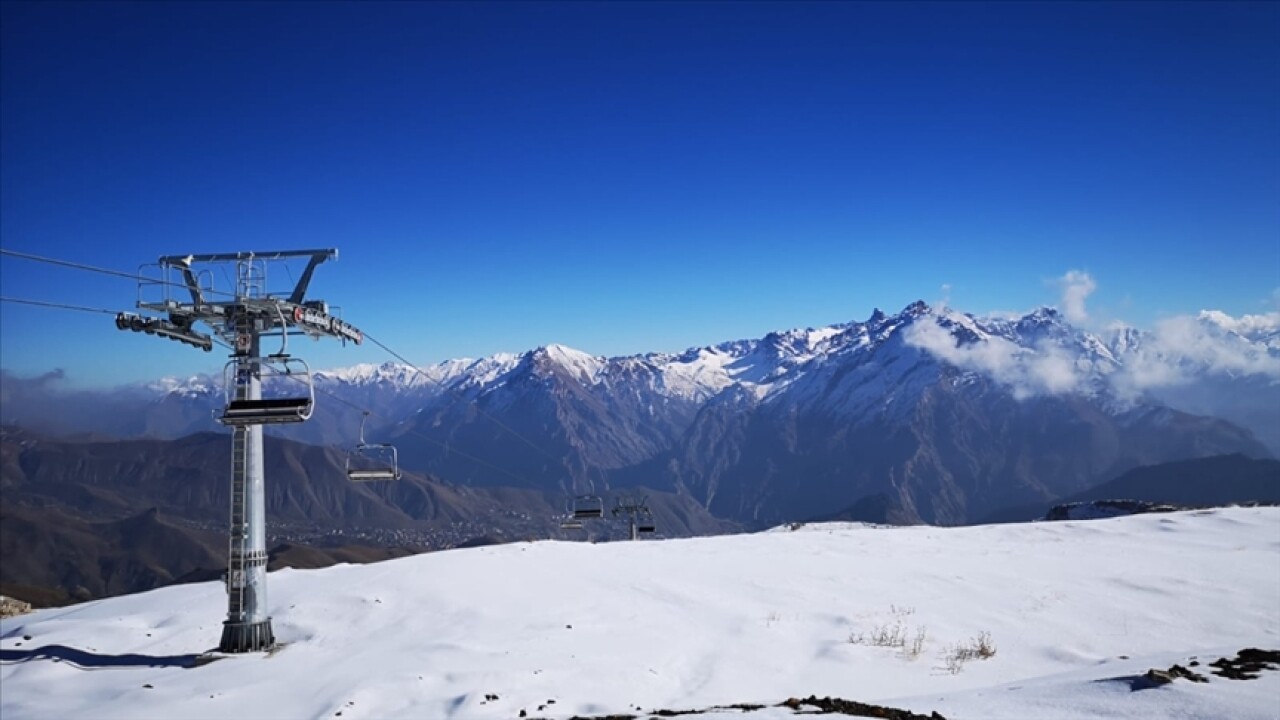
[632,177]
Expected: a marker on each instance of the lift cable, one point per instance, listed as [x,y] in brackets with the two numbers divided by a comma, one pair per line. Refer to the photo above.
[344,401]
[409,431]
[105,271]
[65,263]
[61,306]
[336,397]
[424,436]
[460,396]
[457,395]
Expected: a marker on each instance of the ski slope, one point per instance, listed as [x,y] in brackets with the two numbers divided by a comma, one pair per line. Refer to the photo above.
[680,624]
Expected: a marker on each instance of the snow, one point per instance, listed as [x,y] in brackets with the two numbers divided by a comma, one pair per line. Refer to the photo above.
[193,386]
[698,375]
[489,370]
[581,366]
[821,335]
[396,374]
[694,623]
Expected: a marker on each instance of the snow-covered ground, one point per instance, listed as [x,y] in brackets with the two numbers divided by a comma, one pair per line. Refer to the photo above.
[613,628]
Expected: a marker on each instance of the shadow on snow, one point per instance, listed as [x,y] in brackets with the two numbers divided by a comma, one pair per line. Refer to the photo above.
[96,661]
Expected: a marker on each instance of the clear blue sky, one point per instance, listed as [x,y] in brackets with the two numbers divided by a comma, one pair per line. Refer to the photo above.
[632,177]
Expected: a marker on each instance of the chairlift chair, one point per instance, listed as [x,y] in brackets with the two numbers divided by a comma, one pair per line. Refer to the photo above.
[571,525]
[369,462]
[588,507]
[287,407]
[283,408]
[646,527]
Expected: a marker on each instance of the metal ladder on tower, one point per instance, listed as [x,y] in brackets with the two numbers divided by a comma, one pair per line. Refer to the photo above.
[237,551]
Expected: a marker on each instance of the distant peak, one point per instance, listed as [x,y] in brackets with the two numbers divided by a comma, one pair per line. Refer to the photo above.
[580,364]
[916,308]
[877,316]
[558,351]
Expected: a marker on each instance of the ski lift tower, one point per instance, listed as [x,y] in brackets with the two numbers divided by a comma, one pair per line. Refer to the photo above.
[242,317]
[638,515]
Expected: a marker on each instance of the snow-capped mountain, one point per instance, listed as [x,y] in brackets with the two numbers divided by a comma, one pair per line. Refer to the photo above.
[939,415]
[947,415]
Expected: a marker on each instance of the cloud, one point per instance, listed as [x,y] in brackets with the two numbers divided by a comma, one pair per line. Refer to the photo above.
[1253,327]
[43,381]
[1183,350]
[1178,353]
[1045,369]
[1076,285]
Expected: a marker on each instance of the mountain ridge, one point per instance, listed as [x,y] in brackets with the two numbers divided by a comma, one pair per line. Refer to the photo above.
[946,413]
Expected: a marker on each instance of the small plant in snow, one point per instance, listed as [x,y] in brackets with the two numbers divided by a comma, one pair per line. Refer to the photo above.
[882,636]
[911,650]
[894,636]
[978,648]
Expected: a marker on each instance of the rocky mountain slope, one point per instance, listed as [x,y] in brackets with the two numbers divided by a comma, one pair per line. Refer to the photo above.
[81,519]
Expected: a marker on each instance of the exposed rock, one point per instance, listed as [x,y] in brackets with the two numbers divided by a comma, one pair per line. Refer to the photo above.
[840,706]
[811,705]
[1098,509]
[10,607]
[1164,677]
[1247,664]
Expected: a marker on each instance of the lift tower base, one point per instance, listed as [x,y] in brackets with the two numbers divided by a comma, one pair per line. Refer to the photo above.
[243,637]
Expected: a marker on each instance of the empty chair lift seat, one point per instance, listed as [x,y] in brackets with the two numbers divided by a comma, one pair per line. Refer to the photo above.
[374,474]
[370,462]
[287,381]
[262,412]
[588,508]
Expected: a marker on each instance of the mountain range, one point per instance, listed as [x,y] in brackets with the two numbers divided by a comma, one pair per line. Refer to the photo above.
[927,415]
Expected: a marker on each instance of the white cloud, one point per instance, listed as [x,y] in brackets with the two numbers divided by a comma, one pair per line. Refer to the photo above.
[1209,364]
[1184,349]
[1178,352]
[1077,286]
[1253,327]
[946,295]
[1043,370]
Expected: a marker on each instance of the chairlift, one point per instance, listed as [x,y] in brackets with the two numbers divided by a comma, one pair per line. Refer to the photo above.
[646,527]
[283,408]
[588,507]
[369,462]
[571,525]
[288,406]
